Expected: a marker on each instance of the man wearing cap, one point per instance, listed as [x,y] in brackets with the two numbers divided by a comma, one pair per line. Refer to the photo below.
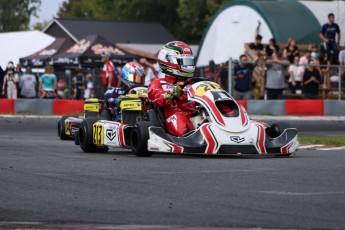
[110,74]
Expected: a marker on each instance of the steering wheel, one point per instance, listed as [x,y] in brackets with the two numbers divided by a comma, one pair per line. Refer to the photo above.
[193,80]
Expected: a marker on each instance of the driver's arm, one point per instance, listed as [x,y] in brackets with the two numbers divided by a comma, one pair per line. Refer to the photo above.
[156,94]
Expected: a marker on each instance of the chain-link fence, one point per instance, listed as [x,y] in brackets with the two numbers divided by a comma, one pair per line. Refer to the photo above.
[273,80]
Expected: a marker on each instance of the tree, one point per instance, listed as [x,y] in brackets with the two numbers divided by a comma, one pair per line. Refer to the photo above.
[15,14]
[40,25]
[186,19]
[194,16]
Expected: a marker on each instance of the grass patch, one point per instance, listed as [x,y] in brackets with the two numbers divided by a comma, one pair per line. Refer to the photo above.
[319,140]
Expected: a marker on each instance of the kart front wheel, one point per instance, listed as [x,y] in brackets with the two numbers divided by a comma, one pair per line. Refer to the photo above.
[139,138]
[85,134]
[62,128]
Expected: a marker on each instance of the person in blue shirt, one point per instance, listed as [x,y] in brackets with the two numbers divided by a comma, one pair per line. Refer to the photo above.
[48,82]
[330,34]
[243,79]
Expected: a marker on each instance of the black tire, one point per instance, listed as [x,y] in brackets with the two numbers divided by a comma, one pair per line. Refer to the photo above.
[139,138]
[274,131]
[85,135]
[76,137]
[61,129]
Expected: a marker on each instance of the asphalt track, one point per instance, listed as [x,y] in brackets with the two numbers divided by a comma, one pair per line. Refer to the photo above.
[43,179]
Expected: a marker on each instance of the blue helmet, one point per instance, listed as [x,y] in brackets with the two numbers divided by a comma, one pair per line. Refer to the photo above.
[133,74]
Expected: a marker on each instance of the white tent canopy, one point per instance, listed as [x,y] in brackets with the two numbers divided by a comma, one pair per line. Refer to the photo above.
[239,21]
[15,45]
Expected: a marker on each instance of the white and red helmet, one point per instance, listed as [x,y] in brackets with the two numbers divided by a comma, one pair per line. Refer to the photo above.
[176,59]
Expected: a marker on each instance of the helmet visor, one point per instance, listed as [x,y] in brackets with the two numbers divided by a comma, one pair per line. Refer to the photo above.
[135,78]
[185,61]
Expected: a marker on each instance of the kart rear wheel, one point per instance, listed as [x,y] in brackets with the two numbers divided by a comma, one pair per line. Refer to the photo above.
[62,128]
[139,138]
[86,134]
[76,137]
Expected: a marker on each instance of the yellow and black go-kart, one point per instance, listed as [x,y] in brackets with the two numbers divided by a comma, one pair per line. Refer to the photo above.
[133,108]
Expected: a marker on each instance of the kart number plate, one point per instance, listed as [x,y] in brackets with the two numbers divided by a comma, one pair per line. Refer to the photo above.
[98,133]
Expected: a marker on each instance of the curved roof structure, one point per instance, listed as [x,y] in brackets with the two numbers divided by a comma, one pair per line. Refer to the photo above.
[238,21]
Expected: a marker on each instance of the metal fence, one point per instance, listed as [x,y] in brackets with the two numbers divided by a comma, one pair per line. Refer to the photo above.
[331,86]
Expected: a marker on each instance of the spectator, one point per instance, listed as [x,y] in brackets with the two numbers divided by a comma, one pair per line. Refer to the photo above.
[328,34]
[10,84]
[2,73]
[158,70]
[78,85]
[257,45]
[243,78]
[296,72]
[291,50]
[311,81]
[342,62]
[48,82]
[341,58]
[223,76]
[88,93]
[275,82]
[150,71]
[272,48]
[110,75]
[325,69]
[28,84]
[304,60]
[259,75]
[211,72]
[315,52]
[62,89]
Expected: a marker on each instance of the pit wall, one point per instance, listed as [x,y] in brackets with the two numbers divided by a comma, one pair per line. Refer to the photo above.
[253,107]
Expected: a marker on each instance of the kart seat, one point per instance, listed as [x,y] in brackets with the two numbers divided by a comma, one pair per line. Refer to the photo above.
[156,117]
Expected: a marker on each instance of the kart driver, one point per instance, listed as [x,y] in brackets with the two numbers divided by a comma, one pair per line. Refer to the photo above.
[133,75]
[175,60]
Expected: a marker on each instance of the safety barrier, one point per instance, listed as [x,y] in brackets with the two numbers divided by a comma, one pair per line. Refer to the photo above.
[254,107]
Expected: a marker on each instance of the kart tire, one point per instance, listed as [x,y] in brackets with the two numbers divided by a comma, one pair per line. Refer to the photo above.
[139,138]
[85,135]
[61,128]
[76,137]
[274,131]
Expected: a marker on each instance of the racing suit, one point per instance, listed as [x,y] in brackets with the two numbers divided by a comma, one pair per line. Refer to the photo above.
[112,98]
[177,112]
[10,84]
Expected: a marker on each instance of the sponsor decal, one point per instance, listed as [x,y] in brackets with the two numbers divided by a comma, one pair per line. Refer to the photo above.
[111,134]
[237,139]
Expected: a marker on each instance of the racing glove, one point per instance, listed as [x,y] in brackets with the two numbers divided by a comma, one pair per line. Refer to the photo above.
[118,100]
[175,94]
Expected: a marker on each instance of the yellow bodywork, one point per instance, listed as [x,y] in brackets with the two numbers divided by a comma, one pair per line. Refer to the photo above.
[131,102]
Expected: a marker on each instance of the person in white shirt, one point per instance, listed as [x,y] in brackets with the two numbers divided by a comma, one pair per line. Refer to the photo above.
[11,79]
[304,60]
[150,71]
[88,92]
[296,72]
[28,84]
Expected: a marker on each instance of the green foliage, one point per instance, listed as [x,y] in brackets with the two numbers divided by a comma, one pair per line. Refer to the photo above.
[40,25]
[337,140]
[15,14]
[186,19]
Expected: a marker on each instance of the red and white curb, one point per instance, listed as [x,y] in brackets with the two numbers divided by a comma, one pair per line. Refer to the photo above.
[321,147]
